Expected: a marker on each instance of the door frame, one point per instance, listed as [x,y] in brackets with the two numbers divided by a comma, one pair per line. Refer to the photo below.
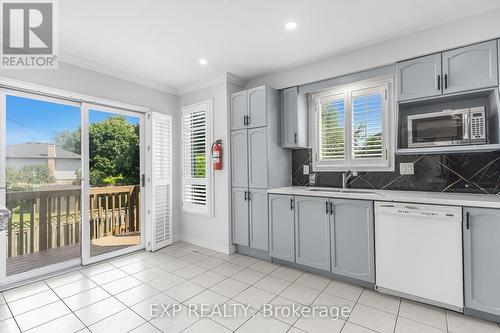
[38,272]
[86,241]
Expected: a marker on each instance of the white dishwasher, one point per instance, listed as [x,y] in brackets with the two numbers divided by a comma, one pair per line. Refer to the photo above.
[418,252]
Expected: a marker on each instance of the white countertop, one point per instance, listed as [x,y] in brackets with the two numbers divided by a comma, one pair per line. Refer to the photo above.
[438,198]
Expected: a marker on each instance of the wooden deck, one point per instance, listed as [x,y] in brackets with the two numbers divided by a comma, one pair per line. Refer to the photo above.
[45,227]
[27,262]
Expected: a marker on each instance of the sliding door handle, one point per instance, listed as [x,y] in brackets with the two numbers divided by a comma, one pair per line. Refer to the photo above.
[326,208]
[331,208]
[467,220]
[439,82]
[246,198]
[446,81]
[291,203]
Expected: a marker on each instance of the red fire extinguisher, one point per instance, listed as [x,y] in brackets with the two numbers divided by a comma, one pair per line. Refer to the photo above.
[217,155]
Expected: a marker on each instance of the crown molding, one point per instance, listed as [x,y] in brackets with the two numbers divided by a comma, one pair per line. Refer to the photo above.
[93,66]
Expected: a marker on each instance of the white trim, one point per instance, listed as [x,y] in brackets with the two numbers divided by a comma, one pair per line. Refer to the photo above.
[116,73]
[36,89]
[208,245]
[208,209]
[348,163]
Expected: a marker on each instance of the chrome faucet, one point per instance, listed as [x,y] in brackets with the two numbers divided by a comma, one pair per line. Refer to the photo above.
[346,176]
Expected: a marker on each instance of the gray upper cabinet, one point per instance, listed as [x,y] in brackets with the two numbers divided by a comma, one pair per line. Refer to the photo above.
[238,110]
[257,107]
[312,232]
[352,239]
[481,262]
[239,158]
[259,229]
[257,158]
[239,216]
[293,118]
[471,67]
[419,78]
[281,227]
[257,163]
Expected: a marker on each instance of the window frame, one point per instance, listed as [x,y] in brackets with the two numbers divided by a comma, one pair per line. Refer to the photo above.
[207,209]
[386,85]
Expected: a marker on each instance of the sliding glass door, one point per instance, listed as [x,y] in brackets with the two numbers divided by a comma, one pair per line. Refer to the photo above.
[71,174]
[115,163]
[41,181]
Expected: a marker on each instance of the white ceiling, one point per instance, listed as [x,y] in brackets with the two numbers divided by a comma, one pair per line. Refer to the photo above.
[159,42]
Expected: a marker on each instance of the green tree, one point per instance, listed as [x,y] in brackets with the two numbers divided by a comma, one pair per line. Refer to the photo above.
[27,178]
[113,149]
[114,152]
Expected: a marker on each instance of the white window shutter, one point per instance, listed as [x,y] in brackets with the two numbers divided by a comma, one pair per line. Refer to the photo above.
[159,181]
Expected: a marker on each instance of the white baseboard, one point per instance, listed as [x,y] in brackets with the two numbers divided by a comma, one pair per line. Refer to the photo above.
[208,245]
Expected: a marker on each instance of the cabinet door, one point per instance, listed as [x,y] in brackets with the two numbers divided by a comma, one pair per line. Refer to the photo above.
[239,216]
[238,110]
[312,232]
[257,107]
[257,158]
[281,227]
[481,260]
[239,158]
[289,114]
[420,77]
[259,228]
[471,67]
[352,239]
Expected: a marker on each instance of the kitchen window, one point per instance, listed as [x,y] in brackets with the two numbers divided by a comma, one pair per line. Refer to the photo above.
[352,127]
[196,167]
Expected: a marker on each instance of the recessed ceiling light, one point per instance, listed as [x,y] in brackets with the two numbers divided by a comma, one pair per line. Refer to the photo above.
[291,25]
[203,61]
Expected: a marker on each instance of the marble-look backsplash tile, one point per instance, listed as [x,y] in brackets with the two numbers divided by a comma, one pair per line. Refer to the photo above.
[468,173]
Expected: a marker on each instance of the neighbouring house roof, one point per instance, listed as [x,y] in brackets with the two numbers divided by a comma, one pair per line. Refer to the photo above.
[38,150]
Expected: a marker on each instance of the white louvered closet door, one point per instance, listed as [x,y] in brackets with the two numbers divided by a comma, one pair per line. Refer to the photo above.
[159,155]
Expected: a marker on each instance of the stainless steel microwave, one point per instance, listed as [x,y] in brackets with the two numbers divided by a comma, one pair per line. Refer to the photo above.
[448,127]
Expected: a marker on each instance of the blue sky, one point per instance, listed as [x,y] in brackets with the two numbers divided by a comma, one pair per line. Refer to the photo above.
[30,120]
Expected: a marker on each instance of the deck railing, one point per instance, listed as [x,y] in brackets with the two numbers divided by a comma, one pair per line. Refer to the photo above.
[48,219]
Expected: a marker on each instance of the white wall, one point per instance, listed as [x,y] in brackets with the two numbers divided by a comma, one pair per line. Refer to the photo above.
[213,232]
[80,80]
[473,29]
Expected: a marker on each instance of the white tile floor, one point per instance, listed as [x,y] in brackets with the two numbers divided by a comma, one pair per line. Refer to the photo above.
[116,296]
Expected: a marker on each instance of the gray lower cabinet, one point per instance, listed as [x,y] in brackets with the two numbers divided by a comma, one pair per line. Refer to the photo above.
[239,216]
[281,227]
[418,78]
[482,262]
[352,239]
[259,229]
[312,232]
[471,67]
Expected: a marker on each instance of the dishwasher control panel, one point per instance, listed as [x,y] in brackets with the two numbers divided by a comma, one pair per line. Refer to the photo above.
[429,211]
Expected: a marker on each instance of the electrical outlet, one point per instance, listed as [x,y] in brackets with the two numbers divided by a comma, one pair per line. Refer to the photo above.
[312,179]
[306,169]
[406,168]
